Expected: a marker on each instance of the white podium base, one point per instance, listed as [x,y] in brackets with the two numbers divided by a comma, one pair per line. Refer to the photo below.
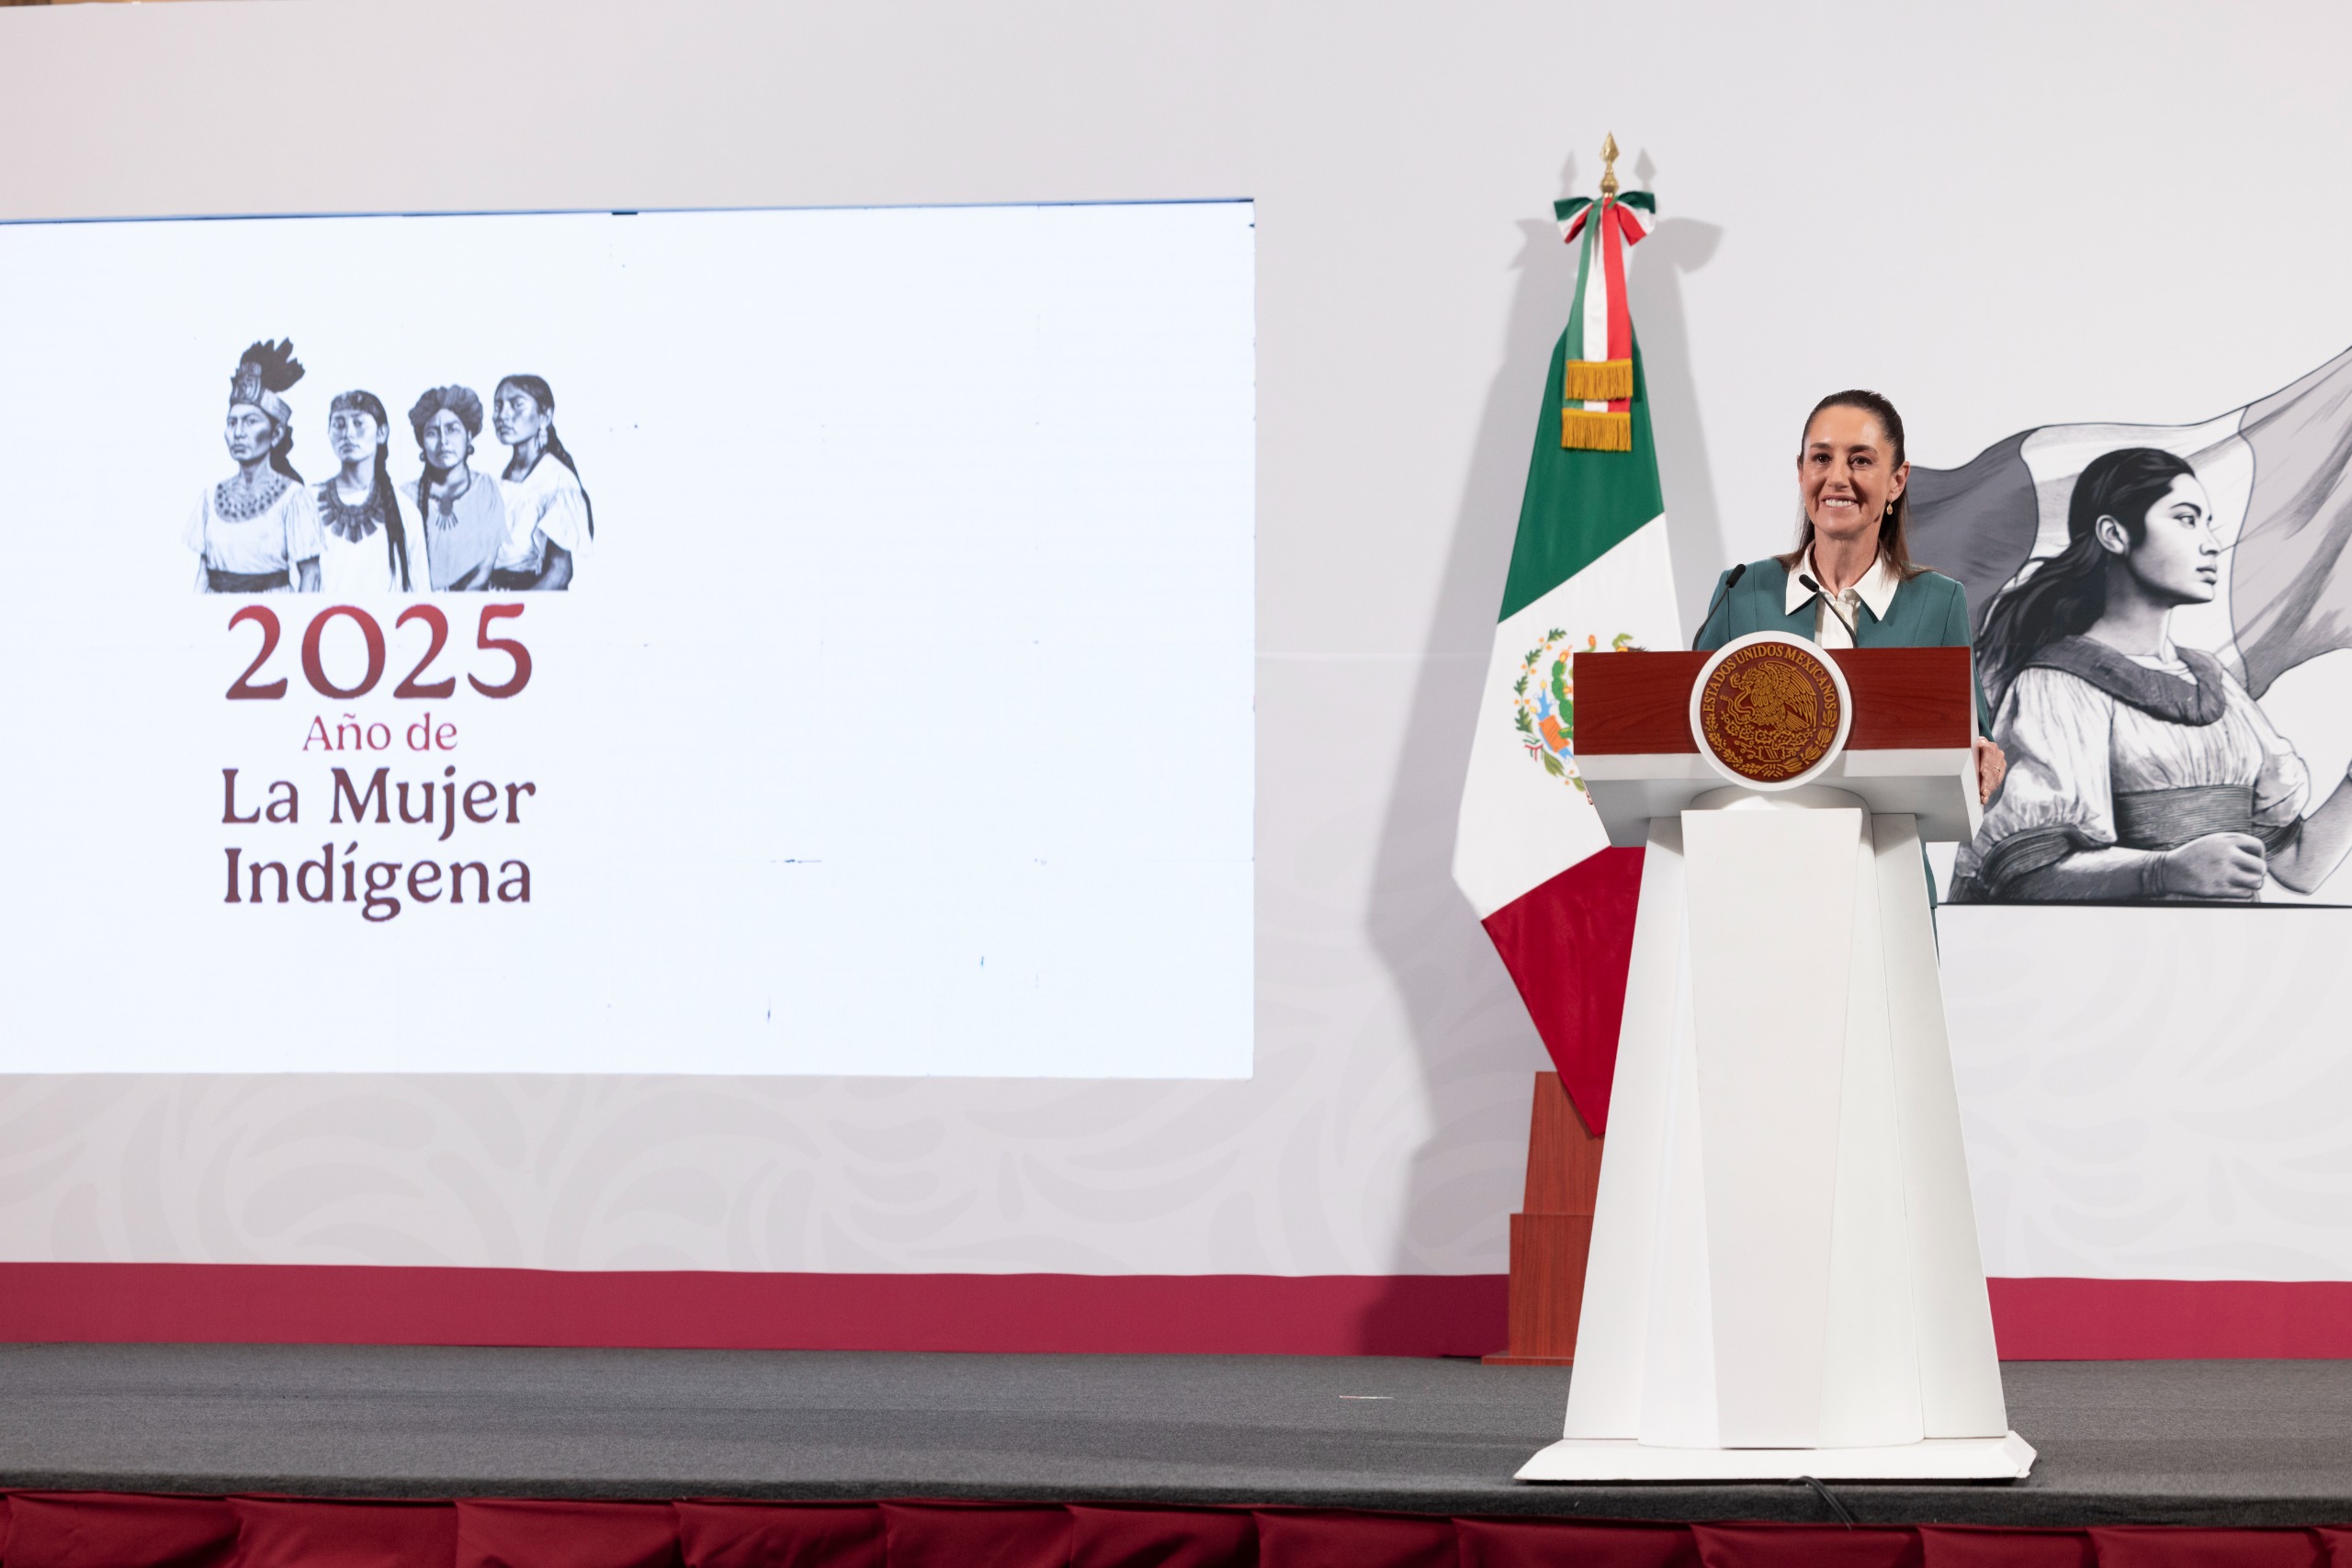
[1938,1458]
[1784,1278]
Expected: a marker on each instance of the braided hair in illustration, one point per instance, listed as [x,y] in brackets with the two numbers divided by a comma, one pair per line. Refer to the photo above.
[385,498]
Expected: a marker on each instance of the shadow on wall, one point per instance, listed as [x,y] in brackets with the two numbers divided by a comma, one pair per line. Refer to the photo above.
[1654,294]
[1477,1052]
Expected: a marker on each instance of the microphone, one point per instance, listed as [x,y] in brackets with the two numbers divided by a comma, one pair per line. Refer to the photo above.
[1806,578]
[1731,580]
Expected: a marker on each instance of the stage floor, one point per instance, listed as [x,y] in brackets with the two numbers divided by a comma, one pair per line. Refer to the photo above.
[2196,1442]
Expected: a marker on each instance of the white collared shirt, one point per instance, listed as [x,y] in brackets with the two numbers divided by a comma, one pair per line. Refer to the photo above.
[1876,589]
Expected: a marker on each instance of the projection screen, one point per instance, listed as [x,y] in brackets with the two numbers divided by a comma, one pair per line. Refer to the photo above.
[742,642]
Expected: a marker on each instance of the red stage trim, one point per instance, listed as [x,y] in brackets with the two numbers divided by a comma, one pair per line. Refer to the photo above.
[106,1530]
[2161,1320]
[1328,1314]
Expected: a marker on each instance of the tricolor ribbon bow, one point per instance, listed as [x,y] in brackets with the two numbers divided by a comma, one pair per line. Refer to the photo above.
[1597,379]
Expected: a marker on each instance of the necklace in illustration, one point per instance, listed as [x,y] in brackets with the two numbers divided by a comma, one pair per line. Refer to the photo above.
[240,503]
[346,522]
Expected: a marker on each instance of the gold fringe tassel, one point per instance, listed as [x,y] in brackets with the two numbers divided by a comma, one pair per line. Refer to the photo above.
[1596,432]
[1599,380]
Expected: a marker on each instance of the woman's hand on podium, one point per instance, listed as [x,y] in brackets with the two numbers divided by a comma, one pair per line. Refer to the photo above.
[1991,768]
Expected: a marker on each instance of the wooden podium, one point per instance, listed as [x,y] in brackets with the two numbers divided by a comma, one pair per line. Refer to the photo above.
[1784,1278]
[1551,1237]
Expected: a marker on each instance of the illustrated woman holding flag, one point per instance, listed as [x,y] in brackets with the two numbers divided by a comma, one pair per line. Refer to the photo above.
[2141,771]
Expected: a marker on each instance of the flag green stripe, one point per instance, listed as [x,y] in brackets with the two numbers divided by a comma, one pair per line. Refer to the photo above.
[1580,506]
[1573,339]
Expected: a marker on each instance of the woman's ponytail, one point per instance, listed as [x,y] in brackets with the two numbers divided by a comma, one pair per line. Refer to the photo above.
[388,501]
[555,450]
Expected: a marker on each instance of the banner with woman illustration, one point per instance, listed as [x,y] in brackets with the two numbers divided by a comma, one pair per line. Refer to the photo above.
[2148,1031]
[745,642]
[2164,627]
[261,529]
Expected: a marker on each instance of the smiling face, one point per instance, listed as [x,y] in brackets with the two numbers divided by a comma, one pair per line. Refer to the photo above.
[355,435]
[444,443]
[516,416]
[1847,475]
[251,433]
[2179,557]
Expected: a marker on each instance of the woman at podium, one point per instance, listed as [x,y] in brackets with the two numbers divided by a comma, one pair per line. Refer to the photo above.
[1850,582]
[1784,1274]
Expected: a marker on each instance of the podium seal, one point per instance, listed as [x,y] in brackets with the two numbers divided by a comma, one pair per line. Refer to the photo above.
[1771,711]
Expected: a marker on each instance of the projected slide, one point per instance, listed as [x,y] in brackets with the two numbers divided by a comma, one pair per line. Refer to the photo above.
[782,642]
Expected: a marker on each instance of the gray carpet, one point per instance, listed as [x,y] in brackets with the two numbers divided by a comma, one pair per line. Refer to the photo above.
[2206,1442]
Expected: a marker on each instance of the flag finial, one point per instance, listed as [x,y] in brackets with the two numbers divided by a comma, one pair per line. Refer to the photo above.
[1596,351]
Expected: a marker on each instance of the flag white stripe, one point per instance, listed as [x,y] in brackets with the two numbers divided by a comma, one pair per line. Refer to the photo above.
[1596,302]
[1520,825]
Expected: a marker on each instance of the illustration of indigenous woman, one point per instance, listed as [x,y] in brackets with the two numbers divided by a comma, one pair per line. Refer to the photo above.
[2138,771]
[363,546]
[549,518]
[257,531]
[464,515]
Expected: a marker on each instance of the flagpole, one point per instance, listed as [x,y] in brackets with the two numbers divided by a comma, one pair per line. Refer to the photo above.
[1608,168]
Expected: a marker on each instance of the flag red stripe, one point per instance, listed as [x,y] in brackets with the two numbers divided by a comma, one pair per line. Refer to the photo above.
[1567,944]
[1620,323]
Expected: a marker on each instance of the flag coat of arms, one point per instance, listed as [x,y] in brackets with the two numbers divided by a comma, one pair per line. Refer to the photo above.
[1588,576]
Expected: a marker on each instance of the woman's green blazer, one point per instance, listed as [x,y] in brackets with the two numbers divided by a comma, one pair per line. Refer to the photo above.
[1927,611]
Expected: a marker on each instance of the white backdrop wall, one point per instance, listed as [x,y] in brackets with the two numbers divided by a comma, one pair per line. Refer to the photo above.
[2001,215]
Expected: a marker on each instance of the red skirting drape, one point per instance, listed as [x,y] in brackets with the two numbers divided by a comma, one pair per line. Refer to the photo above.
[119,1531]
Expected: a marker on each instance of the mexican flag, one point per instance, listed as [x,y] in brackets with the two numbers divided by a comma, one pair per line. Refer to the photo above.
[1588,576]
